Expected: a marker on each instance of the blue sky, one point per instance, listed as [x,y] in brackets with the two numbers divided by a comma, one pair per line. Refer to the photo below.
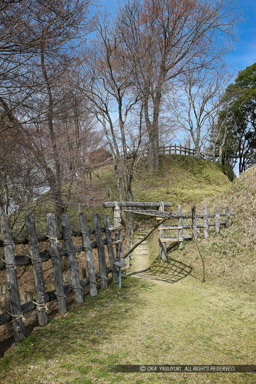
[244,50]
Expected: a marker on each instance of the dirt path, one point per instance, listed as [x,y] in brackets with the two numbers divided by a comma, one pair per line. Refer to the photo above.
[140,256]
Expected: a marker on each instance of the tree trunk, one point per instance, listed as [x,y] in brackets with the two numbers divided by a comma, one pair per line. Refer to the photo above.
[214,152]
[57,190]
[153,153]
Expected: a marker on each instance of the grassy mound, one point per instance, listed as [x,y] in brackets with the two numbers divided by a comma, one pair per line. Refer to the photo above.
[180,180]
[230,256]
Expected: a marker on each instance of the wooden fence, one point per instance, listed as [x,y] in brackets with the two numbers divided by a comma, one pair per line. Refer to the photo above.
[90,238]
[107,240]
[176,150]
[191,225]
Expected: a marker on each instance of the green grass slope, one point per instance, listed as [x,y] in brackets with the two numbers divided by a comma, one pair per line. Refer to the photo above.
[231,255]
[180,180]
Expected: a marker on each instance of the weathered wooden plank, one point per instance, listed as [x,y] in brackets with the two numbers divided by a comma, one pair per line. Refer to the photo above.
[180,222]
[52,233]
[88,254]
[37,270]
[163,252]
[199,226]
[122,204]
[154,213]
[111,254]
[43,237]
[194,222]
[217,219]
[101,252]
[13,295]
[24,240]
[173,227]
[117,228]
[23,260]
[119,236]
[206,222]
[73,265]
[115,242]
[171,239]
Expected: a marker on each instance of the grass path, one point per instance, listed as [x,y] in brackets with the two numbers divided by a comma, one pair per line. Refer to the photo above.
[145,323]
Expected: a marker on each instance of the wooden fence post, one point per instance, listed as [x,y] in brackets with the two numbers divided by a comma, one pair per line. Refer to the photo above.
[111,255]
[74,269]
[101,253]
[180,223]
[88,254]
[37,269]
[56,262]
[206,223]
[227,217]
[194,222]
[117,223]
[217,219]
[13,294]
[163,251]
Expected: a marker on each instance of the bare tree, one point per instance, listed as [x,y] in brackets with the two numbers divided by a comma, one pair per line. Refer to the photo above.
[112,102]
[197,104]
[164,39]
[36,57]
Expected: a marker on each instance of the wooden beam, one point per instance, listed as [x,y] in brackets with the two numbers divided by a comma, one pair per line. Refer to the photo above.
[37,270]
[56,262]
[88,254]
[101,253]
[111,254]
[73,265]
[173,239]
[13,294]
[123,204]
[180,223]
[163,252]
[154,213]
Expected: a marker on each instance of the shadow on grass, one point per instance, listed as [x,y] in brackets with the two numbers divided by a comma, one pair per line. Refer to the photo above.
[169,271]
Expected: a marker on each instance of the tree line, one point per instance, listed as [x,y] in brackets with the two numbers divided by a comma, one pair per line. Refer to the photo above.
[79,85]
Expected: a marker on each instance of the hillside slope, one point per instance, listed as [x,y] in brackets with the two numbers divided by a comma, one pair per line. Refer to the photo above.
[231,255]
[180,179]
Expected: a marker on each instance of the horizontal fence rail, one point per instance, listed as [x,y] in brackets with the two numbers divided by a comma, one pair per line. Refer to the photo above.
[190,221]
